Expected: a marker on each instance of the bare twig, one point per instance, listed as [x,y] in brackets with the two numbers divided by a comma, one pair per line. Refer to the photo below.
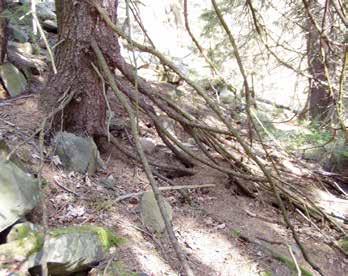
[299,272]
[123,197]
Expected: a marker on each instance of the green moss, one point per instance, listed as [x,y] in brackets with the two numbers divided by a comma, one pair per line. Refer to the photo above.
[343,243]
[106,237]
[266,273]
[39,241]
[35,240]
[22,231]
[102,205]
[235,233]
[291,265]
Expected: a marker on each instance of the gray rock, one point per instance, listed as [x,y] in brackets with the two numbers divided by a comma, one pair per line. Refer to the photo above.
[67,250]
[109,182]
[19,193]
[74,249]
[45,10]
[71,253]
[76,153]
[17,34]
[22,230]
[20,54]
[50,26]
[148,144]
[227,96]
[151,214]
[25,47]
[14,81]
[19,250]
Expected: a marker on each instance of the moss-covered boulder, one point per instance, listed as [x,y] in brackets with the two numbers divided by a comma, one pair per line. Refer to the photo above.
[22,242]
[67,250]
[73,249]
[151,214]
[76,153]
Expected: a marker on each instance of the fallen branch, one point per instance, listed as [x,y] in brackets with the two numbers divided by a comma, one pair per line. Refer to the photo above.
[126,104]
[123,197]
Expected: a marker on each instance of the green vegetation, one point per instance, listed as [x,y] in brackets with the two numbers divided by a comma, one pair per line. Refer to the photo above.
[306,136]
[106,237]
[22,231]
[18,14]
[291,265]
[39,241]
[343,243]
[235,233]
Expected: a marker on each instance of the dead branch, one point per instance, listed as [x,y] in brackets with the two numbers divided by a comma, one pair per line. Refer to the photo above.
[125,102]
[123,197]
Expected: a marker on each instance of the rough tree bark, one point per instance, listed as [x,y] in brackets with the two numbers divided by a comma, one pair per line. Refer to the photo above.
[78,23]
[3,33]
[320,99]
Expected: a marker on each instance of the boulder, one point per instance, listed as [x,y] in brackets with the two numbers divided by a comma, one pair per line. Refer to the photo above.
[5,150]
[20,250]
[76,153]
[19,193]
[22,230]
[50,26]
[151,214]
[21,55]
[45,11]
[13,79]
[22,47]
[67,250]
[17,34]
[148,144]
[74,249]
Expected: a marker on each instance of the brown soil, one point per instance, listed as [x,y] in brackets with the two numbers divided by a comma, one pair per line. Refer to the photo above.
[210,233]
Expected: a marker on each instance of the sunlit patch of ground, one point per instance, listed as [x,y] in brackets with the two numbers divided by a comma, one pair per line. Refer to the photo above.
[214,250]
[141,254]
[331,203]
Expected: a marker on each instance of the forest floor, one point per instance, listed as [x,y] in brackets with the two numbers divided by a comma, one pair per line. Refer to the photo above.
[223,233]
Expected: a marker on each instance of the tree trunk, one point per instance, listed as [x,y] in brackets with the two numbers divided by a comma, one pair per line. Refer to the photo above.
[78,24]
[320,99]
[3,33]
